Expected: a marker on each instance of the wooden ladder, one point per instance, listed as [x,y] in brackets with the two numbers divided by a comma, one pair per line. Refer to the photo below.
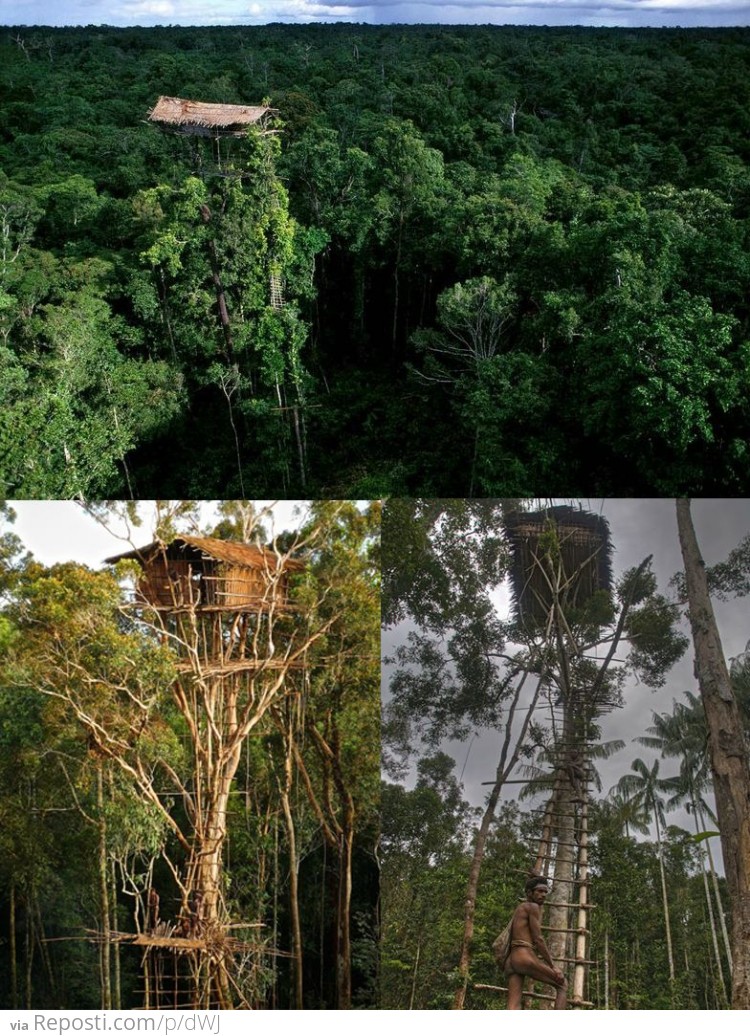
[574,770]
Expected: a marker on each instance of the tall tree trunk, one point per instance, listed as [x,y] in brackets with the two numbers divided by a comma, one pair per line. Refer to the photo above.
[720,912]
[164,306]
[729,757]
[414,974]
[299,436]
[396,279]
[711,914]
[358,303]
[221,300]
[665,903]
[717,897]
[563,885]
[205,906]
[29,952]
[13,949]
[105,947]
[322,928]
[44,948]
[343,918]
[331,754]
[291,838]
[275,914]
[117,985]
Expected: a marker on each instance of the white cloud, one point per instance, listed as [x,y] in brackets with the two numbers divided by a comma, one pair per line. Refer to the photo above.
[631,13]
[231,12]
[141,8]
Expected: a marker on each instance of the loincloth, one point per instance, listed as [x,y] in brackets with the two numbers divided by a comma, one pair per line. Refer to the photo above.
[521,942]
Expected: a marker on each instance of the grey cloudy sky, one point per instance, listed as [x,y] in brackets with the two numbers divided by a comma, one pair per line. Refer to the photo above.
[638,528]
[258,12]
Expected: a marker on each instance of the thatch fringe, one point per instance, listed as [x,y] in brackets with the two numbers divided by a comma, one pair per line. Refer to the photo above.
[585,551]
[186,116]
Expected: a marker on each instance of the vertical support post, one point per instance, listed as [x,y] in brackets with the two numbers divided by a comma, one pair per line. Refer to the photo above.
[579,973]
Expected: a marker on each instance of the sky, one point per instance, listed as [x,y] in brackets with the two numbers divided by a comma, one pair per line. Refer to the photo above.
[638,528]
[60,530]
[631,13]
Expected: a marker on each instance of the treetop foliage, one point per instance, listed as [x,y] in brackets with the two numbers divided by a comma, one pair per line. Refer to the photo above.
[528,246]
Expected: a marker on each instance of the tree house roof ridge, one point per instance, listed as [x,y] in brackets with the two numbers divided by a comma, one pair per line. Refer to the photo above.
[246,555]
[181,112]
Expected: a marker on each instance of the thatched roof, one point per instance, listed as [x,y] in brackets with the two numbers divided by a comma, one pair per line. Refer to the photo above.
[197,117]
[585,550]
[243,555]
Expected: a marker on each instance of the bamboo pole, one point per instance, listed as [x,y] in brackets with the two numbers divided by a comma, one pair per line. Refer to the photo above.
[579,972]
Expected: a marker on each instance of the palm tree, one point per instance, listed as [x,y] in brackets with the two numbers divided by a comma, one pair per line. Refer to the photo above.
[683,733]
[687,790]
[627,812]
[644,786]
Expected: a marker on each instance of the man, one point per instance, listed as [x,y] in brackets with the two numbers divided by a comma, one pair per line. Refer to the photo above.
[529,955]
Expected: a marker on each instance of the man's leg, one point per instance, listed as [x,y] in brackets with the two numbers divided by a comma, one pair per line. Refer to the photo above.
[525,963]
[515,989]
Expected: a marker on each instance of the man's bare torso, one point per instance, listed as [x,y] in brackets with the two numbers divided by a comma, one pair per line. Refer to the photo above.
[521,929]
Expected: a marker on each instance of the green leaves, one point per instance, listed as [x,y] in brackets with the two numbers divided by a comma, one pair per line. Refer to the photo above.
[75,405]
[702,836]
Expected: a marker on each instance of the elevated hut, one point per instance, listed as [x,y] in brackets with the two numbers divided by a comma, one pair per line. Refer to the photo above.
[212,575]
[199,119]
[563,546]
[223,607]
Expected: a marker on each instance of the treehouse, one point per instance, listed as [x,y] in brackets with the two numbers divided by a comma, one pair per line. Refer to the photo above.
[211,575]
[562,546]
[198,119]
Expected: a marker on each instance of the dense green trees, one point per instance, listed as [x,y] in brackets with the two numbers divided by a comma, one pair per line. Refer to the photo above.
[275,322]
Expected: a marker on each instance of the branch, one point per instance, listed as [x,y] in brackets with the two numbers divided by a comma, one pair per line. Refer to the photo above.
[599,680]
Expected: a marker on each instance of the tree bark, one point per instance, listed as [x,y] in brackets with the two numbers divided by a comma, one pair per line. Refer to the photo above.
[117,986]
[665,901]
[344,961]
[719,904]
[346,851]
[13,949]
[293,885]
[221,300]
[29,947]
[729,759]
[711,914]
[105,948]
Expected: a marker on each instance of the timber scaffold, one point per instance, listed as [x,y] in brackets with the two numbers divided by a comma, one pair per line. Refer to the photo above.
[566,810]
[561,559]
